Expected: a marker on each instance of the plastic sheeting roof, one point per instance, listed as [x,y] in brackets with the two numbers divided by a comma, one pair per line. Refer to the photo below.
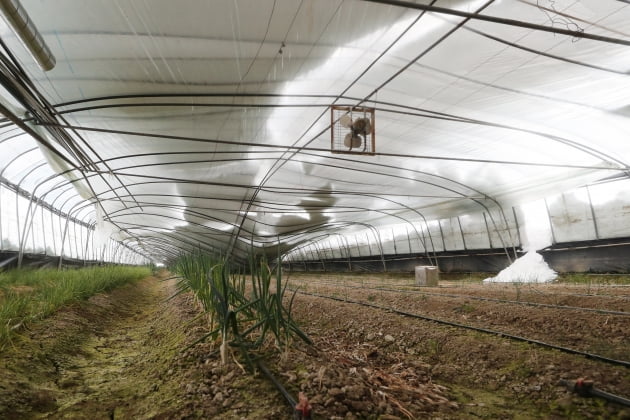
[207,123]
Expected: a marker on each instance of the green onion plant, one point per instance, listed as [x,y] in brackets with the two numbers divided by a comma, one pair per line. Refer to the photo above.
[243,317]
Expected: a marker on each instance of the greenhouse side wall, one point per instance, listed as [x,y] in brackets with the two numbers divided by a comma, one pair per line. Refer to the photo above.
[603,256]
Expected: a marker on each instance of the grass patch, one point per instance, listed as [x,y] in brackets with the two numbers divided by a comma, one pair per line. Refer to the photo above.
[29,295]
[595,279]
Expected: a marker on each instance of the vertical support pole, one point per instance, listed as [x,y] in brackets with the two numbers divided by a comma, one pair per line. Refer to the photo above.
[304,260]
[76,247]
[87,242]
[367,238]
[348,252]
[461,230]
[408,239]
[422,240]
[590,204]
[346,248]
[61,234]
[63,241]
[442,235]
[394,242]
[379,243]
[41,212]
[31,230]
[52,229]
[487,229]
[17,218]
[82,241]
[28,228]
[553,233]
[358,246]
[518,229]
[319,256]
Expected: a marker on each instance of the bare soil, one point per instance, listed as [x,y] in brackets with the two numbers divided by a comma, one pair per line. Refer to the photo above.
[484,375]
[119,356]
[124,355]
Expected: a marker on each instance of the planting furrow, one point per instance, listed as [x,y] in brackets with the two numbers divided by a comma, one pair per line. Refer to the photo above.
[608,335]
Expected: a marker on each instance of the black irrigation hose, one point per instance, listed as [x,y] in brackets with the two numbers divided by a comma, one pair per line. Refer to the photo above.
[517,302]
[527,303]
[585,388]
[603,296]
[287,397]
[485,330]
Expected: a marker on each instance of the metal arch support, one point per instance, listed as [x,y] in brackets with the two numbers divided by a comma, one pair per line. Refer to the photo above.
[590,204]
[380,197]
[459,222]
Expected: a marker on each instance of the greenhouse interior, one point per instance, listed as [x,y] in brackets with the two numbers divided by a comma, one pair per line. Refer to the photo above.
[327,209]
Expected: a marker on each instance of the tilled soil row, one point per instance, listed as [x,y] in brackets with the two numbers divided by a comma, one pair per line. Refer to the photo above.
[612,298]
[478,375]
[602,334]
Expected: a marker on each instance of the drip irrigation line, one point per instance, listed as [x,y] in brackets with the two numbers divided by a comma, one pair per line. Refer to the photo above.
[516,302]
[604,296]
[287,397]
[585,388]
[592,356]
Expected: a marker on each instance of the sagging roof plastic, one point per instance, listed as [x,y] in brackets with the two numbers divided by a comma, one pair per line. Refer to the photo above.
[176,125]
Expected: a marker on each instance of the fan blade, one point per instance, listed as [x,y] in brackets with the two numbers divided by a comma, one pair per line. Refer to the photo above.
[346,120]
[352,140]
[362,126]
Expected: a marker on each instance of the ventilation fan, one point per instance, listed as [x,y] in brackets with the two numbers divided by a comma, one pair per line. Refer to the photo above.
[352,130]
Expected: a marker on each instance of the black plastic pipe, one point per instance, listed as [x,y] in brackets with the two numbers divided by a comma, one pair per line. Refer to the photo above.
[484,330]
[8,261]
[287,397]
[486,299]
[585,388]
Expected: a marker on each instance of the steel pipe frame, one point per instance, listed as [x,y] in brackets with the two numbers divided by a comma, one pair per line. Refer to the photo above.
[590,205]
[27,223]
[437,185]
[69,217]
[195,241]
[431,114]
[369,195]
[505,220]
[508,255]
[375,233]
[501,21]
[39,106]
[27,33]
[365,210]
[189,240]
[14,159]
[272,171]
[42,141]
[282,161]
[52,205]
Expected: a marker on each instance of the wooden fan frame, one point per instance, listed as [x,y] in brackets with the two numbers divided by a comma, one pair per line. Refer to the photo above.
[368,112]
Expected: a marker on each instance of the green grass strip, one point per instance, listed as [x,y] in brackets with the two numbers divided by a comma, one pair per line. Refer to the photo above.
[29,295]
